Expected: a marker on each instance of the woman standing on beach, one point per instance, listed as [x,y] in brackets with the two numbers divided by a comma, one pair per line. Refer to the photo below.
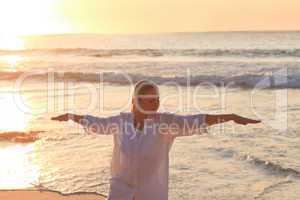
[142,141]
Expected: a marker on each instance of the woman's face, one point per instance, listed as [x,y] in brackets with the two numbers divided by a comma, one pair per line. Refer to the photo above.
[149,102]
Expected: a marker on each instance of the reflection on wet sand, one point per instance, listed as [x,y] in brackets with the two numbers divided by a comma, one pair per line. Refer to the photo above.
[19,168]
[20,137]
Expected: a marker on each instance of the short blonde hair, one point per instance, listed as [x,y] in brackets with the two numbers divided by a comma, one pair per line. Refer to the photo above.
[141,88]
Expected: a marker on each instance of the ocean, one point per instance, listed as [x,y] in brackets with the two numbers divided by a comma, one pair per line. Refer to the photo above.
[253,74]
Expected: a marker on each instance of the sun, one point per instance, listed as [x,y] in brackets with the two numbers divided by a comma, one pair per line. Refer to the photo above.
[29,17]
[11,43]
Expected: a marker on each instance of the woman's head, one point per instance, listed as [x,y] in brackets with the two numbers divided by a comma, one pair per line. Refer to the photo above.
[146,97]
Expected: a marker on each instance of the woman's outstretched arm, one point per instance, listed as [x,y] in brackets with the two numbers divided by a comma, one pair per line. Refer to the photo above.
[68,116]
[92,124]
[218,119]
[186,125]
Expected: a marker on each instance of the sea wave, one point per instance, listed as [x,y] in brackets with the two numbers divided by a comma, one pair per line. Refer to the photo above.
[104,53]
[270,167]
[261,81]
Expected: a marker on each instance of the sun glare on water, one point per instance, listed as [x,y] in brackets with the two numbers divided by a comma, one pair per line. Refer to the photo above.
[12,117]
[11,62]
[18,168]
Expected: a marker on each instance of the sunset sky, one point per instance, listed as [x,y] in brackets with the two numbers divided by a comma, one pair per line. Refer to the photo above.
[20,17]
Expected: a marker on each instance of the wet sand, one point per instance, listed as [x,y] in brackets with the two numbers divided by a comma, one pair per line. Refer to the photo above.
[47,195]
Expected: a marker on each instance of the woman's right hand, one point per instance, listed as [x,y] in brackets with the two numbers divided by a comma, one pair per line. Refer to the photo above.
[64,117]
[244,121]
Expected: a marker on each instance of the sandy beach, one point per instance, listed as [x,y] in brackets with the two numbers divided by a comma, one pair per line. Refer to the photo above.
[46,195]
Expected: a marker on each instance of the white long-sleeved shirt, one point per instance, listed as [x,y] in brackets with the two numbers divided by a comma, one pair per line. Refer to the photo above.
[140,160]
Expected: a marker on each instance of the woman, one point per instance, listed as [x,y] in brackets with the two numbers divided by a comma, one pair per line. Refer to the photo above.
[142,140]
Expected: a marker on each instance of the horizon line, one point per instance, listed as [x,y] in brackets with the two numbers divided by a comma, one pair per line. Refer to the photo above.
[156,33]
